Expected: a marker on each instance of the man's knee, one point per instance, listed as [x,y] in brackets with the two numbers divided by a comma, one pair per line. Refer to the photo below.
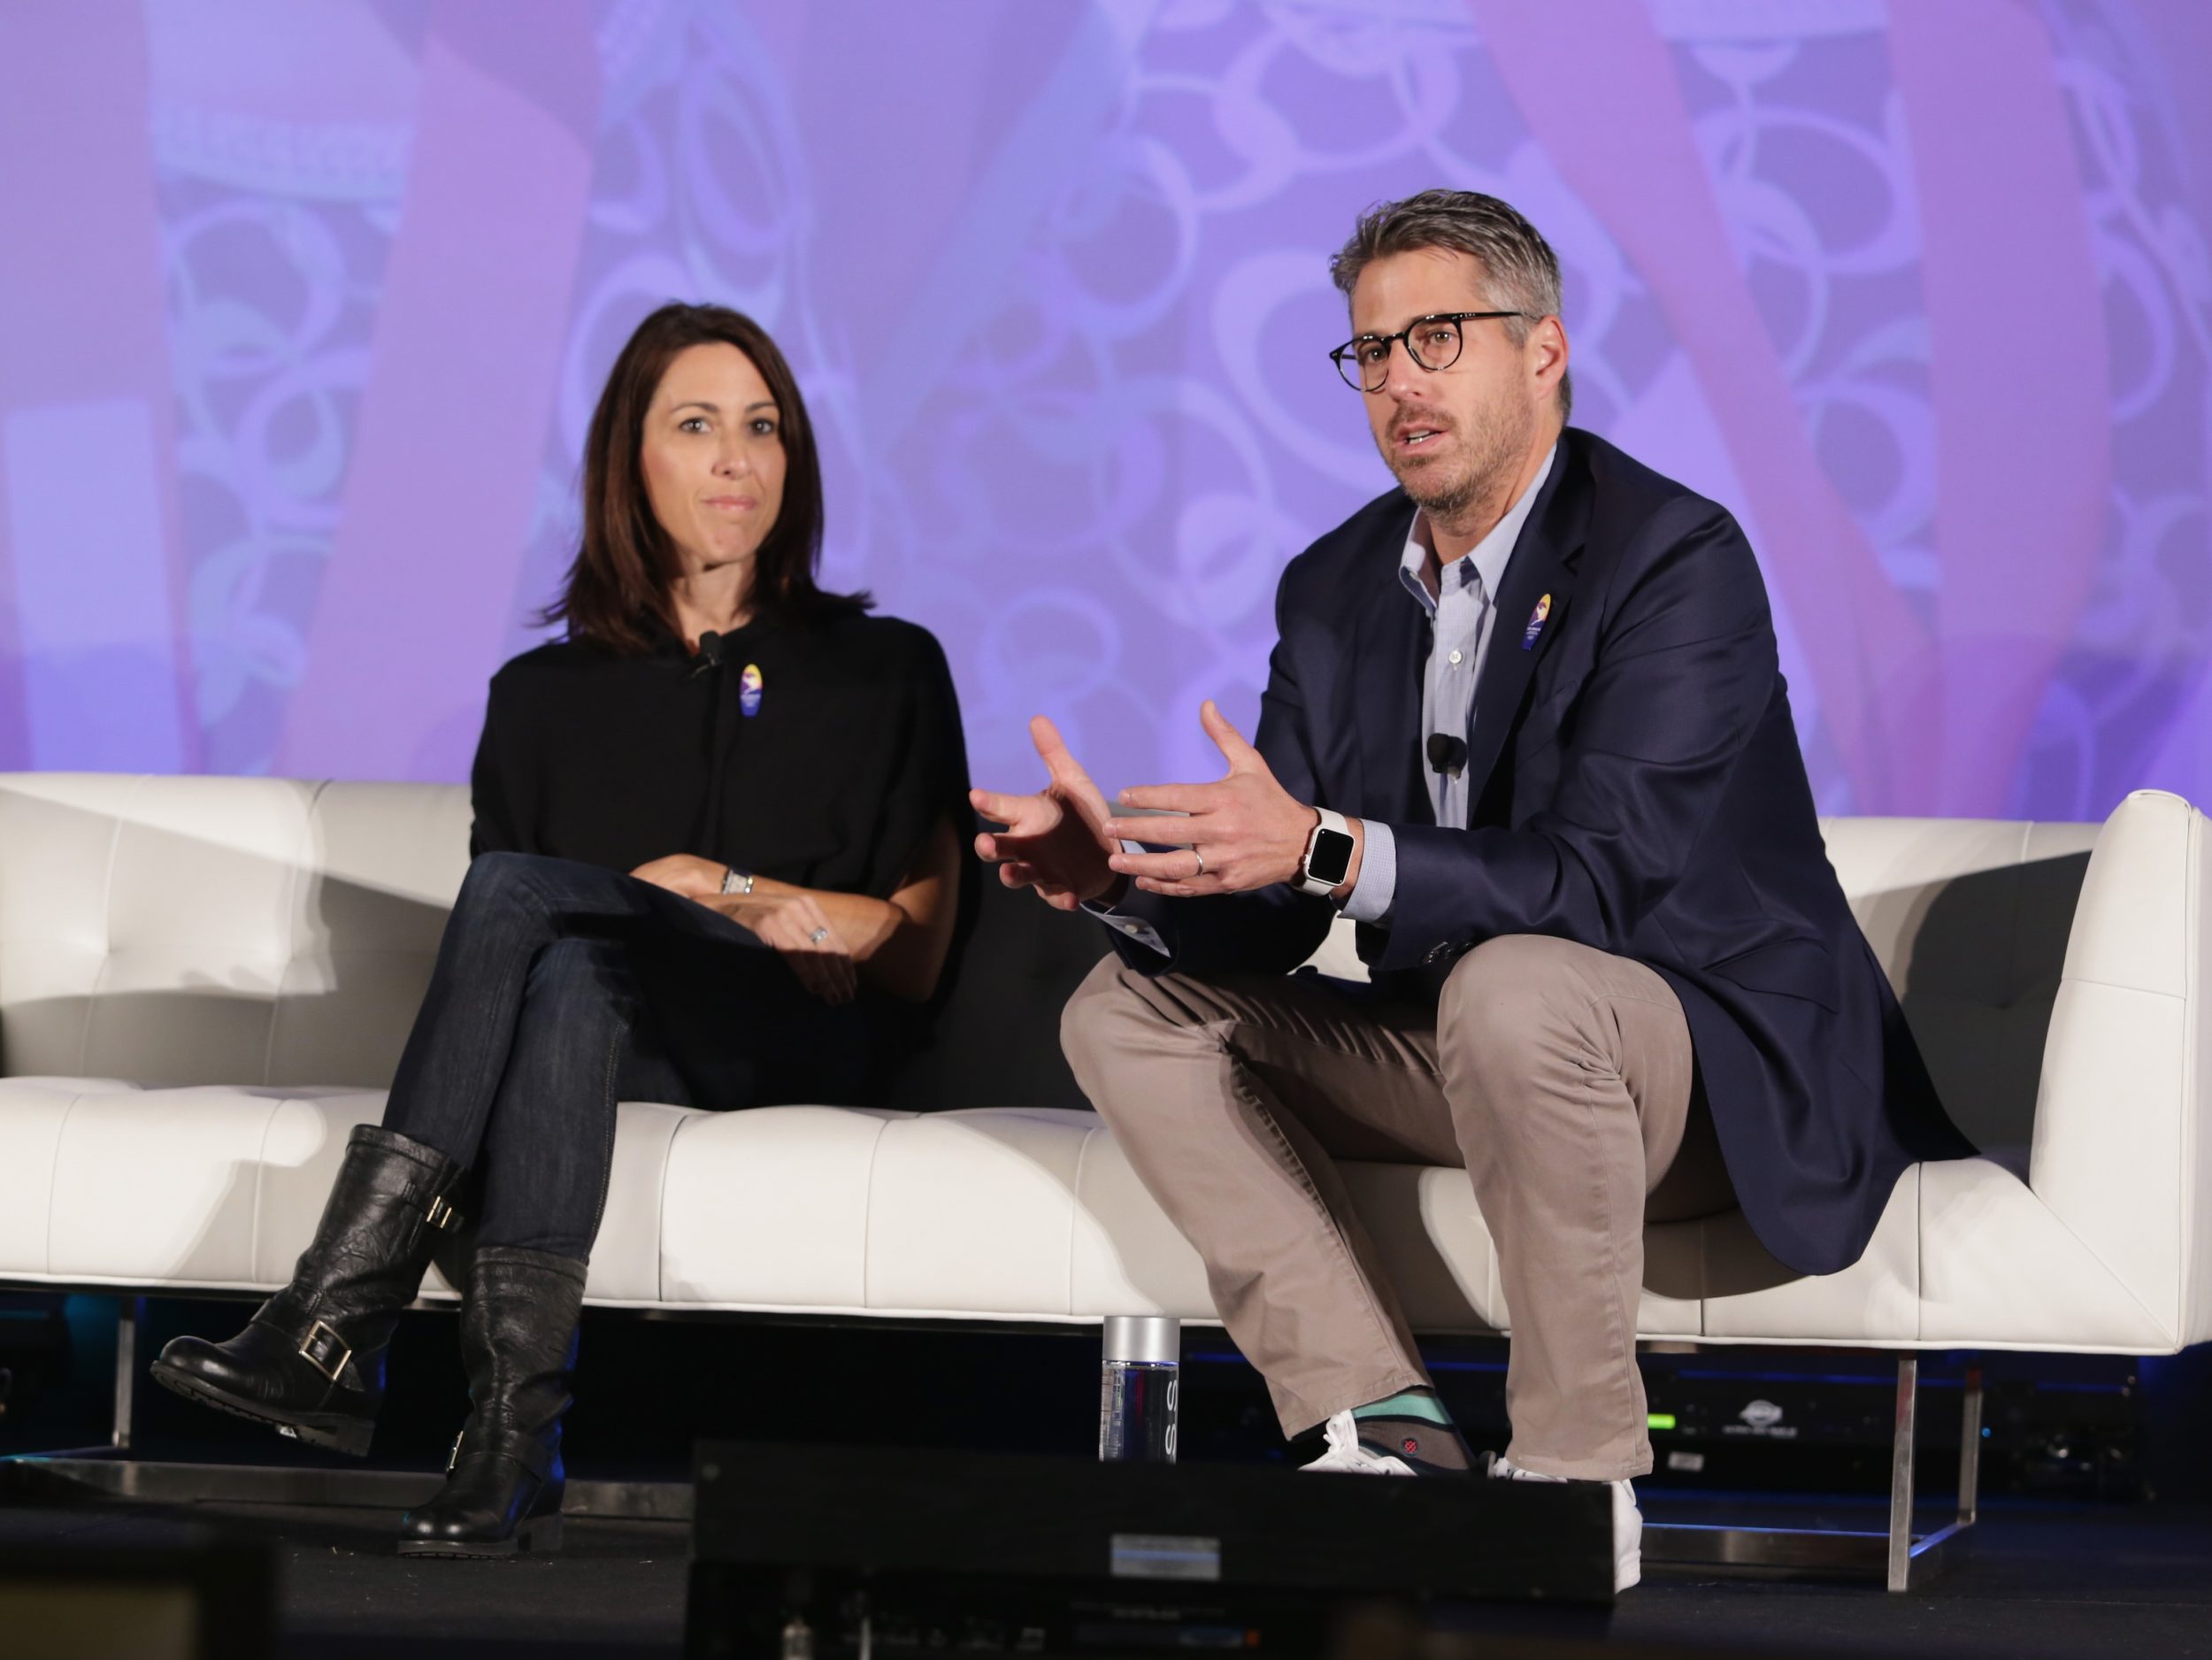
[1097,1021]
[1500,994]
[1509,1024]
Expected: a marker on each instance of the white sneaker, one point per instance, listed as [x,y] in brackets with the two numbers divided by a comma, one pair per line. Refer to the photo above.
[1347,1456]
[1628,1521]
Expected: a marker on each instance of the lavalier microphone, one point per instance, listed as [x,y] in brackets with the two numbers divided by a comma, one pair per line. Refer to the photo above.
[709,655]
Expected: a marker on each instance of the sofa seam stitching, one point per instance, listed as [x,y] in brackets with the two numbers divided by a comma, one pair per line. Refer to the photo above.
[2018,912]
[53,1174]
[107,932]
[2097,1257]
[868,1210]
[260,1175]
[291,934]
[660,1213]
[1075,1209]
[2114,985]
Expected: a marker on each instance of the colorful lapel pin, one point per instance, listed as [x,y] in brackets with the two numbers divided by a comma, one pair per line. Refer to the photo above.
[1535,623]
[748,690]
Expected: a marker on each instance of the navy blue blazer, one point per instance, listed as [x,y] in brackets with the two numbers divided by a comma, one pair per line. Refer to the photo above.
[1636,786]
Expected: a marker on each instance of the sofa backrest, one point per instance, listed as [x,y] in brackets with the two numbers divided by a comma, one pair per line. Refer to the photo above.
[219,930]
[227,929]
[1970,917]
[174,930]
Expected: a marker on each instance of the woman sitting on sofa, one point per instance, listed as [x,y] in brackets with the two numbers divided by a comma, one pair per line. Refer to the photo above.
[719,862]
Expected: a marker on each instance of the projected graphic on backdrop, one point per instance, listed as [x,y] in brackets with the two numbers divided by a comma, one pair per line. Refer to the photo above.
[293,385]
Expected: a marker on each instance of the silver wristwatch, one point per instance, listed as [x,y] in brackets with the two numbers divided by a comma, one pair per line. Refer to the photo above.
[737,882]
[1328,858]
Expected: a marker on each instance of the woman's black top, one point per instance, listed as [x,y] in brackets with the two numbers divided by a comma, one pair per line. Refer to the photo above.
[820,753]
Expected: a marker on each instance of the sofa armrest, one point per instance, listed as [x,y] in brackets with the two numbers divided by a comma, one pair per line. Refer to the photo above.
[2123,1145]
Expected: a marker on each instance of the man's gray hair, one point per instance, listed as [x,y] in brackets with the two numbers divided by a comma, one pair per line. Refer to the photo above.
[1521,274]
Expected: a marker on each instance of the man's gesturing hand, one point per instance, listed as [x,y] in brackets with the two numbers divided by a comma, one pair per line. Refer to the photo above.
[1052,841]
[1248,829]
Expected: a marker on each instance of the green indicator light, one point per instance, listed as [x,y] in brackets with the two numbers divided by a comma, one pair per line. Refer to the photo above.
[1661,1420]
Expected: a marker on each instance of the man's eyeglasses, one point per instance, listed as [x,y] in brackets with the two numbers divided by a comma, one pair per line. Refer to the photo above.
[1434,342]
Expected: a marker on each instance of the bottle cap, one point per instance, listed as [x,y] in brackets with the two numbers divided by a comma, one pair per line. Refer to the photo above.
[1149,1340]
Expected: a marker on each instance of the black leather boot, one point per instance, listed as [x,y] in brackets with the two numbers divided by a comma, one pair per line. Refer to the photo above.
[503,1485]
[312,1361]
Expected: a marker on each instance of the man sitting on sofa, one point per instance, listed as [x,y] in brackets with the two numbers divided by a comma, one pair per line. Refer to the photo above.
[1524,725]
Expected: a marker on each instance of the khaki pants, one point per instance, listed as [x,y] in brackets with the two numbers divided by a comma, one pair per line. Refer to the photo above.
[1558,1076]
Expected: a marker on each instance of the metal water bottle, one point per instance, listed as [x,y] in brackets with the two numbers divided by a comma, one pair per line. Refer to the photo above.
[1137,1382]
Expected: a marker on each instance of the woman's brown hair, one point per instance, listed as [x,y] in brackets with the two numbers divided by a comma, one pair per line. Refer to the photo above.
[619,585]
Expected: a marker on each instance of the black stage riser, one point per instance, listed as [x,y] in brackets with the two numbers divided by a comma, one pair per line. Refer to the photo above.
[1074,1554]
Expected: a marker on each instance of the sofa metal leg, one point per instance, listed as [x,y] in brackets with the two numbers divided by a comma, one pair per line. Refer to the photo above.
[1922,1556]
[130,1318]
[1970,1450]
[1899,1562]
[1902,1561]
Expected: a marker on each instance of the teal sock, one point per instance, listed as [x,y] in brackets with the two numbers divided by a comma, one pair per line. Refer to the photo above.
[1413,1426]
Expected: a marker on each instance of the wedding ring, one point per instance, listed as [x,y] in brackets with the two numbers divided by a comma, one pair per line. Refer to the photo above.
[1201,864]
[817,936]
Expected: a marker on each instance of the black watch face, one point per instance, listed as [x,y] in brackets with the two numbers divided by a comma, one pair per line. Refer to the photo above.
[1332,858]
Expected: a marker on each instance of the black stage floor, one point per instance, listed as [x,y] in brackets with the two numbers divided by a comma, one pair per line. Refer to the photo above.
[2039,1580]
[2040,1577]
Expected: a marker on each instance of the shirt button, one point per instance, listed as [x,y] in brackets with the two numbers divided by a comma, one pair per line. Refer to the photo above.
[1456,657]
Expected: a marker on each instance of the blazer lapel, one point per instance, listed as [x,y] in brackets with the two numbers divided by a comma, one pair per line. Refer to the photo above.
[1385,688]
[1541,572]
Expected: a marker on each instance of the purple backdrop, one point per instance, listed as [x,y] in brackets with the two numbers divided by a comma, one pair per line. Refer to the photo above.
[302,311]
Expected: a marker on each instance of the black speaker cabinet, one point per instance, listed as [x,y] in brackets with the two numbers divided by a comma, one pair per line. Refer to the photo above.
[172,1593]
[838,1551]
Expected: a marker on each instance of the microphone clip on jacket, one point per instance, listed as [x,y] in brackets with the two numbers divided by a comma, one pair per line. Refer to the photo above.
[709,655]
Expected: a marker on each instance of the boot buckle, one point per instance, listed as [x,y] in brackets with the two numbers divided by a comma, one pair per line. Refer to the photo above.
[317,1347]
[441,1215]
[454,1457]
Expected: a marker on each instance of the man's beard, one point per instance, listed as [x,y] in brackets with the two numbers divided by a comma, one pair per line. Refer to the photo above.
[1496,441]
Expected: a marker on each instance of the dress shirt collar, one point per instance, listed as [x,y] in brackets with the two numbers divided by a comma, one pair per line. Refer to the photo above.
[1486,559]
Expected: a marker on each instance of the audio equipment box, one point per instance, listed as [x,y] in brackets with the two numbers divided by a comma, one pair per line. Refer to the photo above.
[822,1551]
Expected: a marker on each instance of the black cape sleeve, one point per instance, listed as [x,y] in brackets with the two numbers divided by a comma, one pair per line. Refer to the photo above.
[929,784]
[503,784]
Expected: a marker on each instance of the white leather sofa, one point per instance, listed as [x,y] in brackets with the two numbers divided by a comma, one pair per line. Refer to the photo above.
[205,982]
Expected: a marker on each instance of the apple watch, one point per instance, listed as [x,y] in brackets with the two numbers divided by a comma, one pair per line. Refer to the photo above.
[1328,858]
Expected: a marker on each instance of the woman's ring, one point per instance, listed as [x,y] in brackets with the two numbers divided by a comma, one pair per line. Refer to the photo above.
[1201,864]
[817,936]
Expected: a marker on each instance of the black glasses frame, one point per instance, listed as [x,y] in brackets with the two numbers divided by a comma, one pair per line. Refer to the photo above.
[1347,356]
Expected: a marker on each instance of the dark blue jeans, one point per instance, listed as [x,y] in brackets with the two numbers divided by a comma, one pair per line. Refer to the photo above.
[562,989]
